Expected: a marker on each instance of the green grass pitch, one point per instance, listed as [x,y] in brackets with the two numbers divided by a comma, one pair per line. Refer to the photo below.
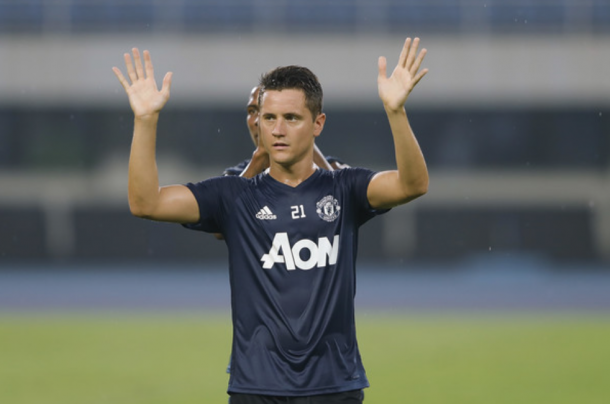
[426,359]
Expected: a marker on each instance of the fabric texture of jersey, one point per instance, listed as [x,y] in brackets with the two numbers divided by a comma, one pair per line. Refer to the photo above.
[292,256]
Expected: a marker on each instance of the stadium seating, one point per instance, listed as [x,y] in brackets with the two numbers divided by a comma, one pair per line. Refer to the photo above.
[502,16]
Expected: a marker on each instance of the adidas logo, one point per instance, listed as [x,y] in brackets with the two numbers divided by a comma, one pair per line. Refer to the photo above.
[266,214]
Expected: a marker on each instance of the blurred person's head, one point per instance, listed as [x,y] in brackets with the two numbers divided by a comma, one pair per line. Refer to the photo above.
[252,114]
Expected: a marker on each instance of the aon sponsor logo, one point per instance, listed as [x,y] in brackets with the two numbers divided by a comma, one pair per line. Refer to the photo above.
[321,254]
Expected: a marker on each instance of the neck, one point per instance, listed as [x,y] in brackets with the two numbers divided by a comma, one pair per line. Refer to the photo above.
[292,175]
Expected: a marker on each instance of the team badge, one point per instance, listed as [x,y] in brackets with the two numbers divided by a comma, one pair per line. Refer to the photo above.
[328,208]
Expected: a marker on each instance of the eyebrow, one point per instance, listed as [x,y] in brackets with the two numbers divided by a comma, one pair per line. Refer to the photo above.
[293,114]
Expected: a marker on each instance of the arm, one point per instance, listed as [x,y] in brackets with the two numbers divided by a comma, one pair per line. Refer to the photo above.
[320,160]
[258,163]
[146,199]
[410,180]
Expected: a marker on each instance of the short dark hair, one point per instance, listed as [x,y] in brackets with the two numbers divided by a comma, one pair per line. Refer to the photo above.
[294,78]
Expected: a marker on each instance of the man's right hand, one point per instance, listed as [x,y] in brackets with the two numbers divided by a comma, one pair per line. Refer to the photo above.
[144,97]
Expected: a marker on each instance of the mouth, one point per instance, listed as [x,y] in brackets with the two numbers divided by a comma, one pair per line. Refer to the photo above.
[280,145]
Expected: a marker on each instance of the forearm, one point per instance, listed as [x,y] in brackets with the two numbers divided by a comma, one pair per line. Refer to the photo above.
[258,164]
[410,179]
[143,184]
[410,162]
[320,160]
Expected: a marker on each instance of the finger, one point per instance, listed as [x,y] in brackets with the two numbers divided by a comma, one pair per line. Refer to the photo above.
[418,61]
[382,64]
[130,70]
[167,84]
[419,76]
[412,53]
[121,78]
[402,59]
[150,73]
[138,63]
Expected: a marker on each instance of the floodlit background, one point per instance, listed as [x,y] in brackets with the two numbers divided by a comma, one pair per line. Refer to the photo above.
[513,119]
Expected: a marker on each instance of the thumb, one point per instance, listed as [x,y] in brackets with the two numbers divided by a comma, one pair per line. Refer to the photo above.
[382,64]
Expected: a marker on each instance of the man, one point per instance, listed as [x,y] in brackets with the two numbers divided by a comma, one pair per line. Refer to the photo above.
[291,231]
[243,169]
[246,170]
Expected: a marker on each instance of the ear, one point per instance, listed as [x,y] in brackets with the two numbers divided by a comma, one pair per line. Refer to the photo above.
[318,124]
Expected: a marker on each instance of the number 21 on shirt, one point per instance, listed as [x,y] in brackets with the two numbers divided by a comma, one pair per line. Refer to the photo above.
[297,211]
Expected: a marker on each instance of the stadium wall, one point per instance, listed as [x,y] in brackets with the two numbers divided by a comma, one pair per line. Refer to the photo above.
[213,70]
[531,181]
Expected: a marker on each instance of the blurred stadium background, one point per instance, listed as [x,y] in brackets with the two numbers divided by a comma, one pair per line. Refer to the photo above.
[514,121]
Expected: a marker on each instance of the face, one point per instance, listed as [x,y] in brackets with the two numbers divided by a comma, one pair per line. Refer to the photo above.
[287,128]
[252,115]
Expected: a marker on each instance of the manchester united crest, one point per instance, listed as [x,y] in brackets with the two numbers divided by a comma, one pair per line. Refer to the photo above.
[328,208]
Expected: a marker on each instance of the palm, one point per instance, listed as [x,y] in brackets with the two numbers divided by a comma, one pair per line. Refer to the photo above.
[144,96]
[395,90]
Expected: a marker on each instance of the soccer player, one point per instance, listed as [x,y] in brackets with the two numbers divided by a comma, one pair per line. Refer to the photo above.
[246,170]
[291,231]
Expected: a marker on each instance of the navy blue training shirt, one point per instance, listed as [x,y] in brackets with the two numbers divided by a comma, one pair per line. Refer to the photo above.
[292,256]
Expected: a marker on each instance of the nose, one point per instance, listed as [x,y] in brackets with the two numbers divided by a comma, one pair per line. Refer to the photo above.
[279,129]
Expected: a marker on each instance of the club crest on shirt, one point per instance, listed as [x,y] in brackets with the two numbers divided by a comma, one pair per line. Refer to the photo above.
[328,208]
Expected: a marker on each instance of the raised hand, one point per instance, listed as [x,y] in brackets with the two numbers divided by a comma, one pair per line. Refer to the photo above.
[395,90]
[144,97]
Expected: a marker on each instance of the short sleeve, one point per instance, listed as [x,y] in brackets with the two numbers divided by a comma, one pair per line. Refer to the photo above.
[236,170]
[214,197]
[337,161]
[359,179]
